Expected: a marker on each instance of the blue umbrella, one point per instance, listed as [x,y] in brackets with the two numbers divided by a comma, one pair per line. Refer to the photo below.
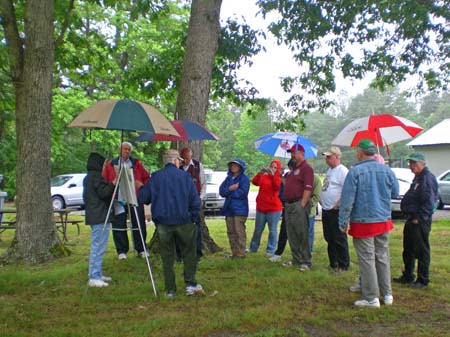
[276,144]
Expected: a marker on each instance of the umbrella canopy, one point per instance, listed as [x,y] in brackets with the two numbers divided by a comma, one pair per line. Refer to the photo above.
[188,130]
[382,129]
[276,144]
[123,114]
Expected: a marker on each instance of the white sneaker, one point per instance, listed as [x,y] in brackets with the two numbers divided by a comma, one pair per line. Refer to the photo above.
[122,256]
[97,283]
[388,300]
[375,303]
[355,287]
[143,255]
[195,290]
[269,255]
[275,258]
[304,267]
[106,279]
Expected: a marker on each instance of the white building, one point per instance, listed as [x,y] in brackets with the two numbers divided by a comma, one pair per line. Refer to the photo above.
[435,145]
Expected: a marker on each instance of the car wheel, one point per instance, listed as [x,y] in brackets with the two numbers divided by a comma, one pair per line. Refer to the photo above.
[57,202]
[440,204]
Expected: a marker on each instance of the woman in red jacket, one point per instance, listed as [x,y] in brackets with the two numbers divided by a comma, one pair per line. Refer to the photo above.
[268,206]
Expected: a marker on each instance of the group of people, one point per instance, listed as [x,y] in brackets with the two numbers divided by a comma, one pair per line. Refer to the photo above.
[174,193]
[355,201]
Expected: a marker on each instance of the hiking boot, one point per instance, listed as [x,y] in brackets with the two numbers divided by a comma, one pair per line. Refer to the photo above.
[122,256]
[402,280]
[106,279]
[375,303]
[418,285]
[97,283]
[195,290]
[275,258]
[388,299]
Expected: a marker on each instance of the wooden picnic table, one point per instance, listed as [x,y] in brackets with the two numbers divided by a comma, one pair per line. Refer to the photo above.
[61,218]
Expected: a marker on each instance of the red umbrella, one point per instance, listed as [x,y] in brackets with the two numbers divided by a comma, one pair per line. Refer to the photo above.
[188,130]
[382,129]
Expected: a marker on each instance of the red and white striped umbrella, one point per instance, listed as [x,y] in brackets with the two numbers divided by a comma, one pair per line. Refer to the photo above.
[383,129]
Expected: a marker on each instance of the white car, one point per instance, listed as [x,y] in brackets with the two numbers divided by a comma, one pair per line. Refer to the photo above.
[67,190]
[444,189]
[405,178]
[213,201]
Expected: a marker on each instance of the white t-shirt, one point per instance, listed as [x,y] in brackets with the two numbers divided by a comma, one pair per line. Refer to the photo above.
[332,186]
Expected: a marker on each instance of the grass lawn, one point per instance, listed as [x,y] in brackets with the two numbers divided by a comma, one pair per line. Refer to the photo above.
[251,297]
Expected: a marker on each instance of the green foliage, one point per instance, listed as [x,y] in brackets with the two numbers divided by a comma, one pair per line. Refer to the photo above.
[393,39]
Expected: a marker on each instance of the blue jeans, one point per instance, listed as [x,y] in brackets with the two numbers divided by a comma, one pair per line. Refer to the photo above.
[260,222]
[312,220]
[99,241]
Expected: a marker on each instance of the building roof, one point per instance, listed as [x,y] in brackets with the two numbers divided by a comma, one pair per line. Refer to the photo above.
[437,135]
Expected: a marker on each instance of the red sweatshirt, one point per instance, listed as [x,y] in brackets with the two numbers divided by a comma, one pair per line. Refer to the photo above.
[268,200]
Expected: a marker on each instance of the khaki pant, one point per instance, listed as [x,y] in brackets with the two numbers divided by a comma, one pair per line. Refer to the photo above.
[236,234]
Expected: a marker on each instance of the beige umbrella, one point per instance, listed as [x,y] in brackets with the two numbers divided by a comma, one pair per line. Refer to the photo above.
[124,114]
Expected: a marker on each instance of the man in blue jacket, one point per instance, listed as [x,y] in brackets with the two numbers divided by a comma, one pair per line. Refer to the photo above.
[418,204]
[175,205]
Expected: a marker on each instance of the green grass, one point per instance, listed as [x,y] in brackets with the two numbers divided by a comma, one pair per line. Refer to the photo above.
[251,297]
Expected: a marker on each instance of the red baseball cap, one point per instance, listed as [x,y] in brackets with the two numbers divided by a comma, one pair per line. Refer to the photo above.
[296,147]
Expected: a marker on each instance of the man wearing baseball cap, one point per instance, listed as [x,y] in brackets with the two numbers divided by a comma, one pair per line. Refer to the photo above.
[297,196]
[330,199]
[418,203]
[366,210]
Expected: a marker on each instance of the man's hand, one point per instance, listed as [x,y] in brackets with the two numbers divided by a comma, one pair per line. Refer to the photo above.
[138,184]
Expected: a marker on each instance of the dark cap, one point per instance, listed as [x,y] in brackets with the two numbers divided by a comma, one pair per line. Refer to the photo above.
[416,156]
[367,145]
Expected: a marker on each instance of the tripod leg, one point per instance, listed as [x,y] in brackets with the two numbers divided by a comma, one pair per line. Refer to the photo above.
[147,260]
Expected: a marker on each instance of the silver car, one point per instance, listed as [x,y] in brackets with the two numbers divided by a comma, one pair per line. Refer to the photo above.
[213,201]
[444,189]
[67,190]
[405,178]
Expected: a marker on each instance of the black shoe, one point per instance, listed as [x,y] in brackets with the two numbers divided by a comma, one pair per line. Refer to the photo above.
[418,285]
[402,279]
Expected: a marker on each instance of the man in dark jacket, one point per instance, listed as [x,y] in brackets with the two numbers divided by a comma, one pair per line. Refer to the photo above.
[418,204]
[97,194]
[175,205]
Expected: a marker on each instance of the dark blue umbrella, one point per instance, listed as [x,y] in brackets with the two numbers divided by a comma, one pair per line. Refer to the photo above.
[188,130]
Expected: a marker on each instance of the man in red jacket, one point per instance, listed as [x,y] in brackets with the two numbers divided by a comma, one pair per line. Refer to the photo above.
[119,220]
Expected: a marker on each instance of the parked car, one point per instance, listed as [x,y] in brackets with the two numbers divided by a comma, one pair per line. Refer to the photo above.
[405,178]
[67,190]
[213,201]
[444,189]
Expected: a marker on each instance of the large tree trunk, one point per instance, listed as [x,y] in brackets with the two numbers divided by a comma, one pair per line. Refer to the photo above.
[32,61]
[192,103]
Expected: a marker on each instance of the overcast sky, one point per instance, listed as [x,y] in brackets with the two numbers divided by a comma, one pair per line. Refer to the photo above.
[277,61]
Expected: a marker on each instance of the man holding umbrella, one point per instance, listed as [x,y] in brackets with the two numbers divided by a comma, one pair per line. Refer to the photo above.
[119,220]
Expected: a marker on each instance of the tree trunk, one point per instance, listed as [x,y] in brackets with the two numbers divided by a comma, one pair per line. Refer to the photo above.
[192,102]
[32,61]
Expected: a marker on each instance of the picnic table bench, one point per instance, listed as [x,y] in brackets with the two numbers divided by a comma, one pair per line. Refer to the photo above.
[61,218]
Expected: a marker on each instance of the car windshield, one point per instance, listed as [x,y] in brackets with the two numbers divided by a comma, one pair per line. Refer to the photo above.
[59,180]
[215,178]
